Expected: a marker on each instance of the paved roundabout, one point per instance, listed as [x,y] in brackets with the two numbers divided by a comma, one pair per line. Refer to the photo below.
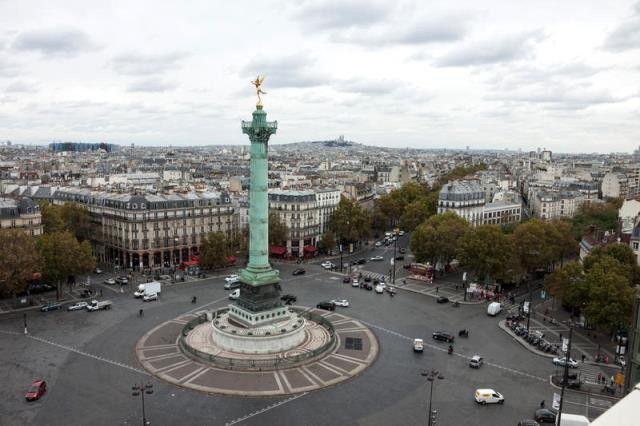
[162,353]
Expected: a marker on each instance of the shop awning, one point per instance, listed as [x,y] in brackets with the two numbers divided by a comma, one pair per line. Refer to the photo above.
[310,249]
[277,250]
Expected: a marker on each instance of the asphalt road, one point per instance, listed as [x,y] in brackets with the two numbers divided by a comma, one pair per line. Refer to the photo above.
[88,362]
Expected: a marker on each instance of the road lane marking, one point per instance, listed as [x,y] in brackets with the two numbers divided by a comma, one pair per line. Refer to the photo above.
[77,351]
[265,409]
[438,348]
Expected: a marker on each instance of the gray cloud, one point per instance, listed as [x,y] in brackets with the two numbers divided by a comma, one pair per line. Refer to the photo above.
[333,14]
[140,64]
[562,96]
[54,42]
[423,31]
[20,86]
[368,87]
[289,71]
[151,85]
[491,51]
[513,77]
[627,35]
[7,68]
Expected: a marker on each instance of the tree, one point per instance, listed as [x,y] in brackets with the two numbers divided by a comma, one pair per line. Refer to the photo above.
[594,216]
[76,219]
[328,240]
[52,220]
[437,238]
[350,222]
[415,213]
[561,238]
[610,299]
[214,250]
[620,252]
[64,256]
[531,245]
[567,284]
[278,231]
[18,262]
[484,251]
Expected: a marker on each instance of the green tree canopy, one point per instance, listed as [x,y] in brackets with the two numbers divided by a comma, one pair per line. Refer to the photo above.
[484,251]
[214,249]
[63,256]
[350,222]
[52,220]
[437,238]
[328,241]
[610,299]
[532,245]
[18,261]
[278,230]
[76,219]
[568,284]
[602,216]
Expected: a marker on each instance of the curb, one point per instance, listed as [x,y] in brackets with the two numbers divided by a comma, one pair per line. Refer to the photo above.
[600,394]
[436,296]
[527,346]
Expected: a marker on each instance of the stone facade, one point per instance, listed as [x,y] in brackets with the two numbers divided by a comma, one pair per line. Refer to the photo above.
[21,214]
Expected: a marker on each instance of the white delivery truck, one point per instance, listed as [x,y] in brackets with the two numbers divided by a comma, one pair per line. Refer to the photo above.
[573,420]
[144,289]
[96,306]
[494,309]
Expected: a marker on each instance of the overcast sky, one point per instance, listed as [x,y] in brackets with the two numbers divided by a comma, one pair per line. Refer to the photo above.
[564,75]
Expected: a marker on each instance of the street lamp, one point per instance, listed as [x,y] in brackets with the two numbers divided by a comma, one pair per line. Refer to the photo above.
[431,377]
[141,390]
[396,231]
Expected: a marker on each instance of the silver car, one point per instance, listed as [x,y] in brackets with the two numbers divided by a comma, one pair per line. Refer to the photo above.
[77,306]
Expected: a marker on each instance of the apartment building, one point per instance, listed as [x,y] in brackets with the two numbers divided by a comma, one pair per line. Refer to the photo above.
[152,231]
[464,198]
[555,205]
[22,213]
[306,214]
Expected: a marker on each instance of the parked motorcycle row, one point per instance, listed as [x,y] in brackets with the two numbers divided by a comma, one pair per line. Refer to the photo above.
[534,338]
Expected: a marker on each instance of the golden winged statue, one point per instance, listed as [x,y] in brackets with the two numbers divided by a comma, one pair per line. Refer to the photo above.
[258,82]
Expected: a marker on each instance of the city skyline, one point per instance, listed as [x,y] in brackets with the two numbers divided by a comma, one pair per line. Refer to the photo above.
[492,76]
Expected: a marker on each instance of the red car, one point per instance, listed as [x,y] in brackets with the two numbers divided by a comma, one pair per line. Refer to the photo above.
[37,389]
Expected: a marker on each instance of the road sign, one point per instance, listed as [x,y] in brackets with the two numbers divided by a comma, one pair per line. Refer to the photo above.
[525,307]
[543,294]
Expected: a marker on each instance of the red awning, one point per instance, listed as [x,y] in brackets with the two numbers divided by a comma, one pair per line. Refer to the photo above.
[191,263]
[278,250]
[310,249]
[231,260]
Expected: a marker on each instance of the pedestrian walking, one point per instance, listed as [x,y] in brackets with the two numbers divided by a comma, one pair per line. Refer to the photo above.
[612,380]
[599,377]
[100,292]
[437,289]
[542,404]
[583,358]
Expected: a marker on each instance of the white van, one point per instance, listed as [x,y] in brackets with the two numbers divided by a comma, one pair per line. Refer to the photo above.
[494,309]
[488,396]
[235,294]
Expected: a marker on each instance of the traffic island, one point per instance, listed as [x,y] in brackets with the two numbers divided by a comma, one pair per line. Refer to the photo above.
[183,352]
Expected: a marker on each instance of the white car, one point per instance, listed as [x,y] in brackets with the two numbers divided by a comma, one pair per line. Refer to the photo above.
[110,281]
[401,233]
[418,345]
[341,302]
[150,297]
[377,258]
[488,396]
[327,265]
[378,244]
[560,360]
[235,295]
[379,289]
[232,278]
[77,306]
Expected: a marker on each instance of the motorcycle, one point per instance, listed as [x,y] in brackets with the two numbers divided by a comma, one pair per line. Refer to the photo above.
[456,304]
[463,333]
[194,299]
[450,350]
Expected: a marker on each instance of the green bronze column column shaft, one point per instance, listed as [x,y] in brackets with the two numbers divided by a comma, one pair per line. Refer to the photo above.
[259,288]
